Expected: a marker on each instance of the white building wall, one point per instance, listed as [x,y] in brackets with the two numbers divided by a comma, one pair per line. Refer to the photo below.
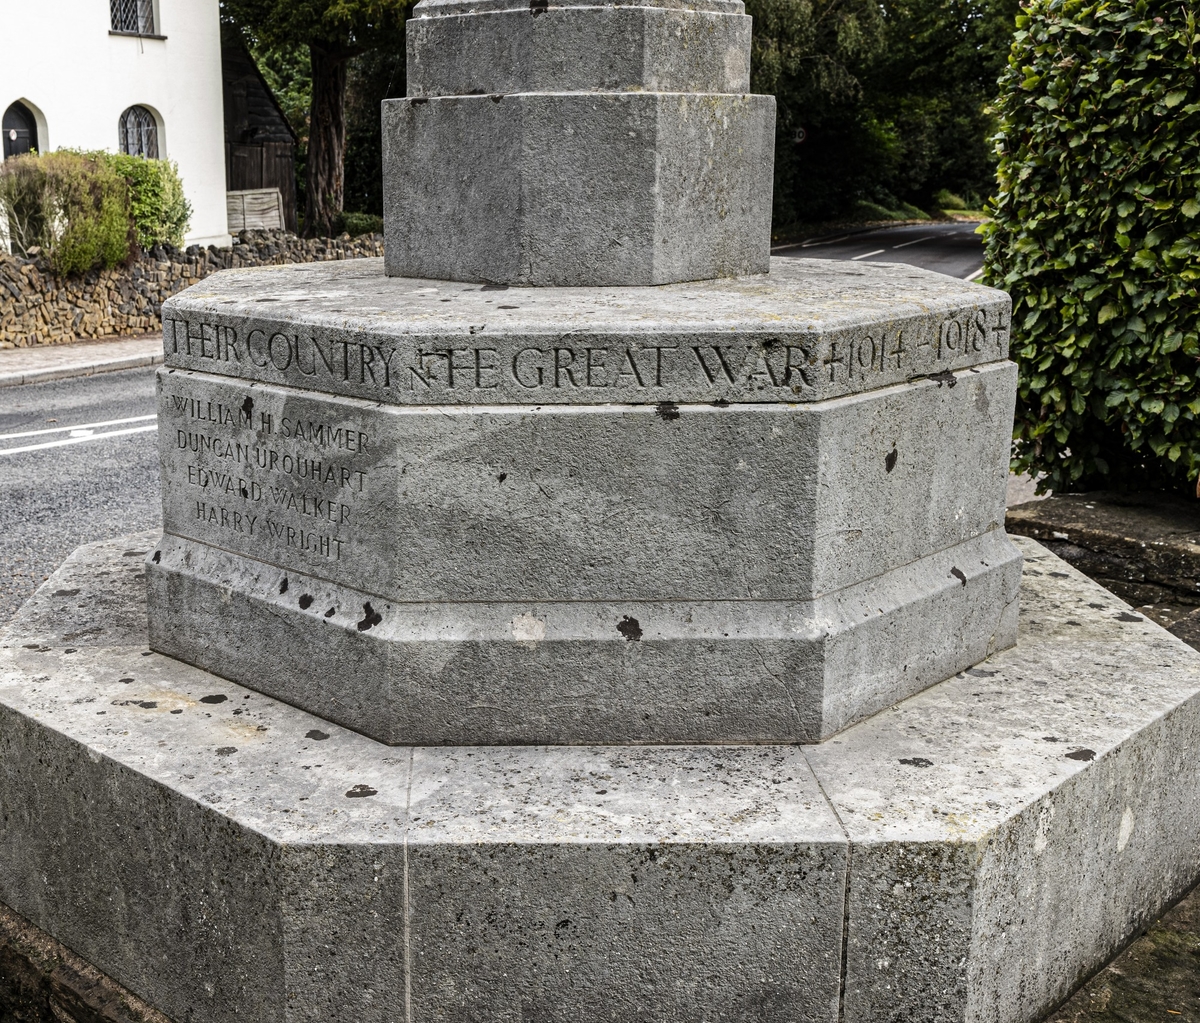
[62,62]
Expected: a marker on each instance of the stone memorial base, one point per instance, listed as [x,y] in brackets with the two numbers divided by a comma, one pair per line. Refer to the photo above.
[970,854]
[754,509]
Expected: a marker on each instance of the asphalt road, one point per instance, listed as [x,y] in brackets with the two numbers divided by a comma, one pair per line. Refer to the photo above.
[59,489]
[953,249]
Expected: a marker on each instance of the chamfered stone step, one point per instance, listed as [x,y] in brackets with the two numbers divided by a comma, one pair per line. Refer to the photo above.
[969,854]
[750,510]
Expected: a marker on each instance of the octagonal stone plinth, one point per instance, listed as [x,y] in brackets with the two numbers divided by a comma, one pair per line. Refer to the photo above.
[741,511]
[969,855]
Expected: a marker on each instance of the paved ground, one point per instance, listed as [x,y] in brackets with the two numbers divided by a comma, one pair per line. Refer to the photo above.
[60,487]
[953,249]
[57,362]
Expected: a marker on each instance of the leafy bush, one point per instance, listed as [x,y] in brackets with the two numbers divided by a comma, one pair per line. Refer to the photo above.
[355,224]
[947,200]
[1096,234]
[157,205]
[88,210]
[73,206]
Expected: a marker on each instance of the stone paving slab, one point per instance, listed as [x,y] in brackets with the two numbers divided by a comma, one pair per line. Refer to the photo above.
[989,843]
[58,362]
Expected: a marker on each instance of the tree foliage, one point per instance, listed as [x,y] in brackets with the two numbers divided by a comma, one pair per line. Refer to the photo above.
[1096,234]
[879,103]
[333,31]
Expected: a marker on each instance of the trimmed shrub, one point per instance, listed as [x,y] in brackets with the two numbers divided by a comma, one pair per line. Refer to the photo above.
[1096,234]
[355,224]
[157,205]
[73,206]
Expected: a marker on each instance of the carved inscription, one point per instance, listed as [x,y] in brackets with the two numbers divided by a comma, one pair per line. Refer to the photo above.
[267,478]
[593,369]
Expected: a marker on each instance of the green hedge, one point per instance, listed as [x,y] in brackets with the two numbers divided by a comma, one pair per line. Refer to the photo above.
[157,206]
[1096,234]
[89,211]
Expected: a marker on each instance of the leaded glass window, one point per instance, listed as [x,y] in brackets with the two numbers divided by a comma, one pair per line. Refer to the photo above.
[139,133]
[132,16]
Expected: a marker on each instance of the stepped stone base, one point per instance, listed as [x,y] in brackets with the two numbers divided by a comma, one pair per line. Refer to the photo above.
[970,854]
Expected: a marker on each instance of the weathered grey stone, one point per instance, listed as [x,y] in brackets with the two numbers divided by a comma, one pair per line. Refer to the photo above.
[227,857]
[515,574]
[589,49]
[223,859]
[610,144]
[812,329]
[576,189]
[585,672]
[1015,826]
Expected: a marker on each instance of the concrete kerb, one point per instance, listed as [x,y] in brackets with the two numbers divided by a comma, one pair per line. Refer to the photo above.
[79,369]
[41,363]
[995,838]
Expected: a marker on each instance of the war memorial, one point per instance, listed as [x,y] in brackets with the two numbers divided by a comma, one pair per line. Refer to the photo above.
[580,615]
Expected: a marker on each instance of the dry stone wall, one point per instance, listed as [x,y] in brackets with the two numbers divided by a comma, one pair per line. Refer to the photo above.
[39,308]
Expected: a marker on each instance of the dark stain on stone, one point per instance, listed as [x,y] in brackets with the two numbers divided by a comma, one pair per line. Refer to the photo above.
[225,751]
[70,650]
[630,629]
[361,792]
[667,411]
[157,557]
[248,408]
[508,307]
[177,710]
[316,733]
[721,403]
[958,574]
[215,698]
[1082,754]
[1052,738]
[283,585]
[1098,607]
[889,463]
[494,287]
[1071,621]
[502,477]
[561,926]
[134,554]
[1125,616]
[916,761]
[65,593]
[331,612]
[370,618]
[147,704]
[306,602]
[125,680]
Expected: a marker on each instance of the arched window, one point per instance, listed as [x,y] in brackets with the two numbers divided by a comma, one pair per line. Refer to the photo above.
[133,16]
[20,130]
[139,133]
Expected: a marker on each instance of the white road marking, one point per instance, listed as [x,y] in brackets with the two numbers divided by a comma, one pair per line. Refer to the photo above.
[81,426]
[82,437]
[877,252]
[915,241]
[975,276]
[824,241]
